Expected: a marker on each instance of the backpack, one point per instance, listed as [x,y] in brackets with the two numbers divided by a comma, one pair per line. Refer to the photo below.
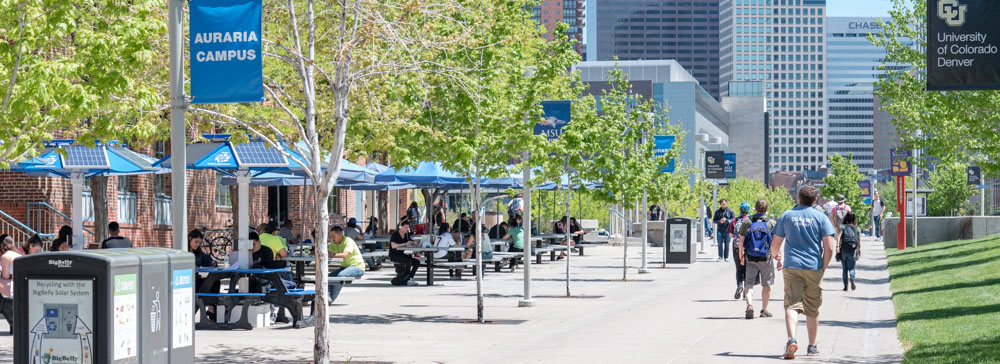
[758,239]
[840,213]
[849,239]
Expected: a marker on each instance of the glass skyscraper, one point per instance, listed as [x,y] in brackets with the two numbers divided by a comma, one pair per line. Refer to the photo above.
[782,44]
[853,68]
[684,31]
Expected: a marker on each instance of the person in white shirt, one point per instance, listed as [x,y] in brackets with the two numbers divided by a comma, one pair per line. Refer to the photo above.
[443,241]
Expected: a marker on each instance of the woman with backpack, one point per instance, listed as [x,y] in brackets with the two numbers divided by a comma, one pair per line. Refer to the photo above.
[848,247]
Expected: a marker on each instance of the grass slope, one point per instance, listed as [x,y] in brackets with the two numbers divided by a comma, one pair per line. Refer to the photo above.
[947,299]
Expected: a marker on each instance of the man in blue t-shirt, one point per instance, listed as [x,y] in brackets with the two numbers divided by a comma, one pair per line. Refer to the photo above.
[807,235]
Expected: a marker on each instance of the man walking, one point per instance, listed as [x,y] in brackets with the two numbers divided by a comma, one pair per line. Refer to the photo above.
[721,218]
[734,231]
[838,213]
[809,249]
[755,253]
[878,212]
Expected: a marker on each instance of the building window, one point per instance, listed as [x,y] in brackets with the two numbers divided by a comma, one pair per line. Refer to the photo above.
[127,201]
[222,198]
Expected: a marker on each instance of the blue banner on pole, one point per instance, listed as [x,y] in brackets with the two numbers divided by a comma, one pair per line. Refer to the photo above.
[866,190]
[730,166]
[900,166]
[556,115]
[225,47]
[661,146]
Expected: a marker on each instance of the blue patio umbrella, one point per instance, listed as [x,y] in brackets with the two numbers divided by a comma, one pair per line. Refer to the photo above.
[426,174]
[64,158]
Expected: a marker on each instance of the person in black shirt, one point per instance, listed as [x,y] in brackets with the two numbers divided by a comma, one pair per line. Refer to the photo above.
[202,259]
[498,231]
[399,240]
[261,256]
[115,240]
[723,216]
[655,213]
[462,225]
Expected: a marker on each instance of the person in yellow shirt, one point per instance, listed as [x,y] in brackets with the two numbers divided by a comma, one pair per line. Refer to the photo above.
[353,265]
[272,241]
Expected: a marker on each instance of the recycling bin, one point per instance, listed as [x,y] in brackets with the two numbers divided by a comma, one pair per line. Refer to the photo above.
[679,241]
[104,306]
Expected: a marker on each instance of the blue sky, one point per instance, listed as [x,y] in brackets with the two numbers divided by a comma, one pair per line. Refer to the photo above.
[858,7]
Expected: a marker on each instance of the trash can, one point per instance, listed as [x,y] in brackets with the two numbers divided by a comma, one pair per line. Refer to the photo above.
[679,241]
[103,306]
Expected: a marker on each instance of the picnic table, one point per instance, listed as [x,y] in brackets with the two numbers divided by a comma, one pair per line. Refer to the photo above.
[430,258]
[300,266]
[278,294]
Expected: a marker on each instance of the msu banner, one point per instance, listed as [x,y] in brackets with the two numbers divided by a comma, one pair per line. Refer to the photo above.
[225,47]
[555,114]
[963,37]
[661,146]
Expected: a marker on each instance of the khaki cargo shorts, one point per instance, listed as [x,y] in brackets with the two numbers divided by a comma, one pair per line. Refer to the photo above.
[802,290]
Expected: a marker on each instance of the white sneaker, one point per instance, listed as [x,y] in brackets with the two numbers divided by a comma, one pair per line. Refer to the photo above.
[411,283]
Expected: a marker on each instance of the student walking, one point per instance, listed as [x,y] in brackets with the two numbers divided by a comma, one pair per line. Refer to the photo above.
[755,253]
[848,247]
[877,214]
[721,218]
[807,237]
[734,231]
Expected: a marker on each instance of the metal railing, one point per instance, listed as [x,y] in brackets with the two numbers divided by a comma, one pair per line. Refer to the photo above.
[43,217]
[163,210]
[17,230]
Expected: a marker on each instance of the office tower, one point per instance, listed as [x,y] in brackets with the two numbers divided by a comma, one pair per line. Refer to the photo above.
[549,13]
[782,44]
[684,31]
[852,70]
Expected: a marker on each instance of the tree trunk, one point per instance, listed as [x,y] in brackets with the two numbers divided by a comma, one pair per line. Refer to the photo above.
[383,211]
[321,344]
[99,198]
[234,200]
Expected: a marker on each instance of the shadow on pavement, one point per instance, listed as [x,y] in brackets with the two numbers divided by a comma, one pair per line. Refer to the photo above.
[389,319]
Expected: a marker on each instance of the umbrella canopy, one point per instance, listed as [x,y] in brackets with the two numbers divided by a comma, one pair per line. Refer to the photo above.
[427,174]
[350,174]
[63,158]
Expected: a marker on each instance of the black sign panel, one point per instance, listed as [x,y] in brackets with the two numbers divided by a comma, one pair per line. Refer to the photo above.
[715,165]
[974,175]
[963,37]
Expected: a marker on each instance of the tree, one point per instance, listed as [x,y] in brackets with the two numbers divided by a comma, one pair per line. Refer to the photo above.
[843,180]
[950,189]
[959,125]
[366,48]
[88,69]
[747,190]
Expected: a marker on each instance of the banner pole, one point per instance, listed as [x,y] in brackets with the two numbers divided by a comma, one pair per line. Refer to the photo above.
[178,135]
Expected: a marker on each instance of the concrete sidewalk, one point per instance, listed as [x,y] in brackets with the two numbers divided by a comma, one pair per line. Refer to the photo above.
[681,314]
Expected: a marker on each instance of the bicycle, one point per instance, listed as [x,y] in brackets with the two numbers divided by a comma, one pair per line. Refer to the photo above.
[220,241]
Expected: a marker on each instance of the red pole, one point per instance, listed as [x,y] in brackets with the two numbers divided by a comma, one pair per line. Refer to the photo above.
[901,207]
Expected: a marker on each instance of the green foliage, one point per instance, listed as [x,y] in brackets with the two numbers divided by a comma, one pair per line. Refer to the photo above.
[950,189]
[548,206]
[843,179]
[958,125]
[91,69]
[615,147]
[946,301]
[748,190]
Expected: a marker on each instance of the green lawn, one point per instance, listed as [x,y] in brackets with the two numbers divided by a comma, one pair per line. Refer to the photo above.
[947,299]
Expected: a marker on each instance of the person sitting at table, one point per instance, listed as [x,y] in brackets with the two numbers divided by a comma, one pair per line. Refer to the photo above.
[471,246]
[516,235]
[408,265]
[342,246]
[64,241]
[352,231]
[576,230]
[261,255]
[274,242]
[443,241]
[462,225]
[32,246]
[115,240]
[371,230]
[498,231]
[285,232]
[202,259]
[560,226]
[7,255]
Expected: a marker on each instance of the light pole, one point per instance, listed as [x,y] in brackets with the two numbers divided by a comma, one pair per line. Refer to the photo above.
[871,194]
[703,138]
[916,182]
[645,202]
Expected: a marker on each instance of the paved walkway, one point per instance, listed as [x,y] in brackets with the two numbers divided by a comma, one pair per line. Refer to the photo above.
[681,314]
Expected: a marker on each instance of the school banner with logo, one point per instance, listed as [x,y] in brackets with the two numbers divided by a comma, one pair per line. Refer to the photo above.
[715,165]
[730,165]
[963,37]
[974,175]
[661,146]
[900,166]
[555,114]
[225,47]
[866,190]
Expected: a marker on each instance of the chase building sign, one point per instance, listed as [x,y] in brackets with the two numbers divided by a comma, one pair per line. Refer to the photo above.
[963,37]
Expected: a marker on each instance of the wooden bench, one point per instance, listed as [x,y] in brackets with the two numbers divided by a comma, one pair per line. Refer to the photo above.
[229,301]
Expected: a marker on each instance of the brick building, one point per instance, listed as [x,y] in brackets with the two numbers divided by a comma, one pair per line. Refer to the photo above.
[141,204]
